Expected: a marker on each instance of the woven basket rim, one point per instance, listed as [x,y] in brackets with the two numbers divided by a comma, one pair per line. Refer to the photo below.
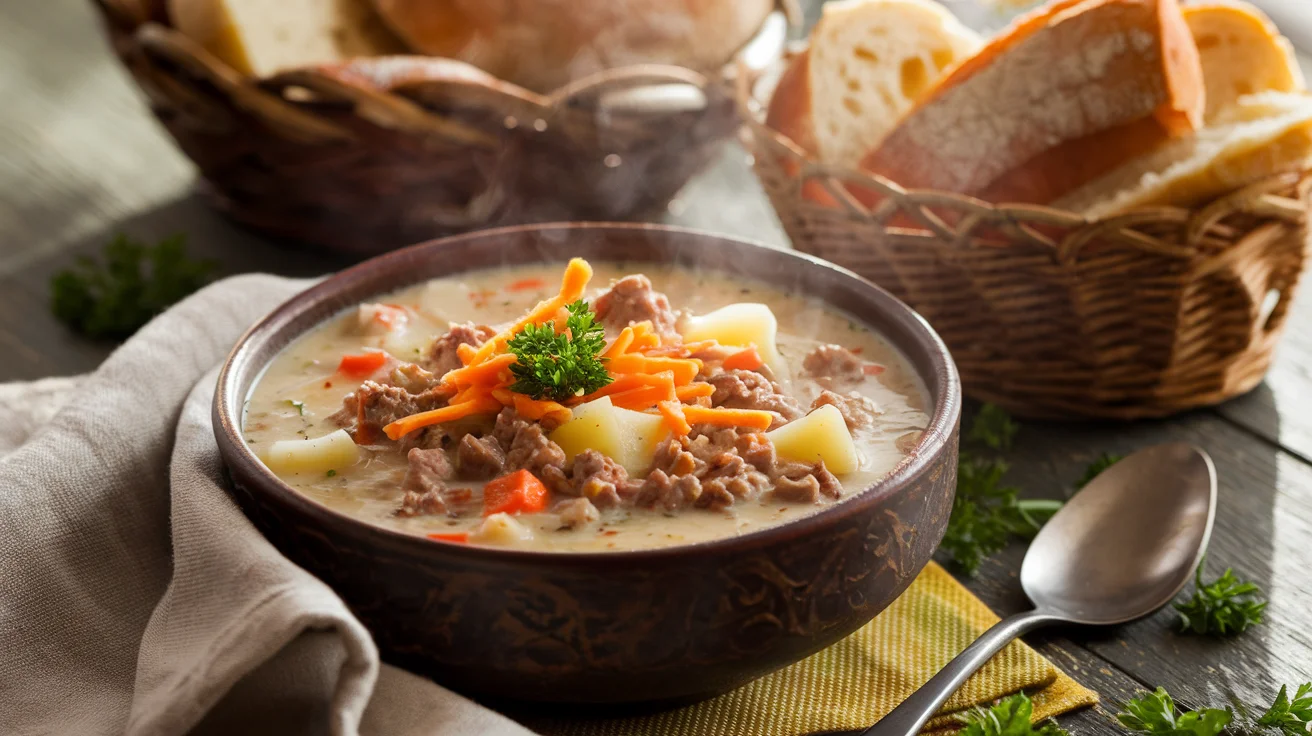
[141,21]
[895,199]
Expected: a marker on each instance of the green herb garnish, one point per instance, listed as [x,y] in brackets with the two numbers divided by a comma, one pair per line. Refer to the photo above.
[560,366]
[134,283]
[1224,607]
[332,473]
[1156,713]
[1096,468]
[993,428]
[985,512]
[299,406]
[1290,718]
[1008,717]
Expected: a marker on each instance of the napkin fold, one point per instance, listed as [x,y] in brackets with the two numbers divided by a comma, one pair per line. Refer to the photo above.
[137,599]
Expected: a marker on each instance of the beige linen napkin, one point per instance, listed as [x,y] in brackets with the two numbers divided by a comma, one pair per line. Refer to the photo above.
[107,629]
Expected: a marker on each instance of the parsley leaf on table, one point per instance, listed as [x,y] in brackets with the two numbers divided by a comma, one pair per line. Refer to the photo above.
[1290,718]
[134,283]
[1008,717]
[1096,468]
[993,428]
[560,366]
[986,513]
[1156,713]
[1224,607]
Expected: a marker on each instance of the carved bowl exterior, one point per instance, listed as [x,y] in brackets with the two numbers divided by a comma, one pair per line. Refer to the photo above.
[648,626]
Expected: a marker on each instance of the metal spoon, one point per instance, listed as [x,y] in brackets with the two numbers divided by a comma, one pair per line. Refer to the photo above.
[1119,550]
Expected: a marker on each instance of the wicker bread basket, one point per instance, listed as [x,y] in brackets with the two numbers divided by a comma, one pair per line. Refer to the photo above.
[316,157]
[1050,314]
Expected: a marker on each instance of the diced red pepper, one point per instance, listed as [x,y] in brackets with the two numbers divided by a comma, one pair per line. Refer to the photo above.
[872,369]
[518,493]
[453,537]
[747,359]
[362,364]
[527,285]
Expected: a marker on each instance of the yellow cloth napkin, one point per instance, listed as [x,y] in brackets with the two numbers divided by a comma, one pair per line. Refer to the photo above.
[856,681]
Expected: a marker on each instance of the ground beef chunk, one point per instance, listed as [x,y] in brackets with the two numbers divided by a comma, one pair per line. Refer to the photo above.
[836,363]
[429,438]
[669,492]
[741,389]
[857,410]
[441,355]
[631,300]
[756,449]
[412,378]
[528,447]
[577,512]
[673,458]
[378,405]
[425,483]
[805,483]
[480,458]
[345,416]
[601,479]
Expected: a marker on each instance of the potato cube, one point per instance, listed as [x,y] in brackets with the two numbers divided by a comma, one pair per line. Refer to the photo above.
[627,437]
[820,435]
[740,325]
[501,529]
[334,451]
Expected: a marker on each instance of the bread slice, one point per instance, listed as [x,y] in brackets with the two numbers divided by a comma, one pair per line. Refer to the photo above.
[260,38]
[1257,137]
[1067,94]
[1242,53]
[868,62]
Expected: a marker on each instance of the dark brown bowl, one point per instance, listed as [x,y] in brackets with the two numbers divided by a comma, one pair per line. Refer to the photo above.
[658,625]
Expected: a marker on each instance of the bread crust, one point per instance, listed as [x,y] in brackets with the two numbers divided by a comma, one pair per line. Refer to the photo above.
[546,44]
[979,133]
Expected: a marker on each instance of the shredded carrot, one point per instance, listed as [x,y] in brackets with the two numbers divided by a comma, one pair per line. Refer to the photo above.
[679,350]
[645,342]
[453,537]
[404,426]
[672,411]
[526,285]
[752,418]
[620,345]
[747,359]
[518,493]
[621,383]
[480,373]
[504,395]
[465,352]
[685,369]
[468,393]
[643,398]
[535,409]
[361,365]
[694,390]
[572,285]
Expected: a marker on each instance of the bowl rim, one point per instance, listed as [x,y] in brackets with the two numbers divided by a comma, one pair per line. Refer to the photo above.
[935,440]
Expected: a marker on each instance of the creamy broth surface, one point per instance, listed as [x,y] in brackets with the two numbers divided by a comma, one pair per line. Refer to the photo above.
[301,388]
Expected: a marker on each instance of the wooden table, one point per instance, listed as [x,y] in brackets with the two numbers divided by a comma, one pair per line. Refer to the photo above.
[81,159]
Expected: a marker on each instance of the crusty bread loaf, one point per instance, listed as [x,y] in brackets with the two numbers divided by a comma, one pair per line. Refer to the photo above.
[1069,93]
[545,44]
[1258,136]
[868,62]
[1242,53]
[261,38]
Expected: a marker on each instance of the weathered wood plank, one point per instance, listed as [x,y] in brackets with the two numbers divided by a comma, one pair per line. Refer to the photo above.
[1263,529]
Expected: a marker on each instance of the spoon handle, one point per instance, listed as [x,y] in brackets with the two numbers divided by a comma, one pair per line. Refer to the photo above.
[908,718]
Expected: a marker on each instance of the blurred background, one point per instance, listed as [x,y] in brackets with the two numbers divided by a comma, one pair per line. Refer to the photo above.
[82,159]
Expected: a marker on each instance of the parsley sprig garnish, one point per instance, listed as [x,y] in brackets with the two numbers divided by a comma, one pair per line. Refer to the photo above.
[134,283]
[560,366]
[1157,714]
[1224,607]
[1008,717]
[985,512]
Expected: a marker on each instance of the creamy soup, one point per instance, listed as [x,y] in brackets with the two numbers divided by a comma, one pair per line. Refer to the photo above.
[721,406]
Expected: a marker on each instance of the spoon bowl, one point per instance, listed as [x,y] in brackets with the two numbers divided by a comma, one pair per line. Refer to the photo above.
[1127,543]
[1117,551]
